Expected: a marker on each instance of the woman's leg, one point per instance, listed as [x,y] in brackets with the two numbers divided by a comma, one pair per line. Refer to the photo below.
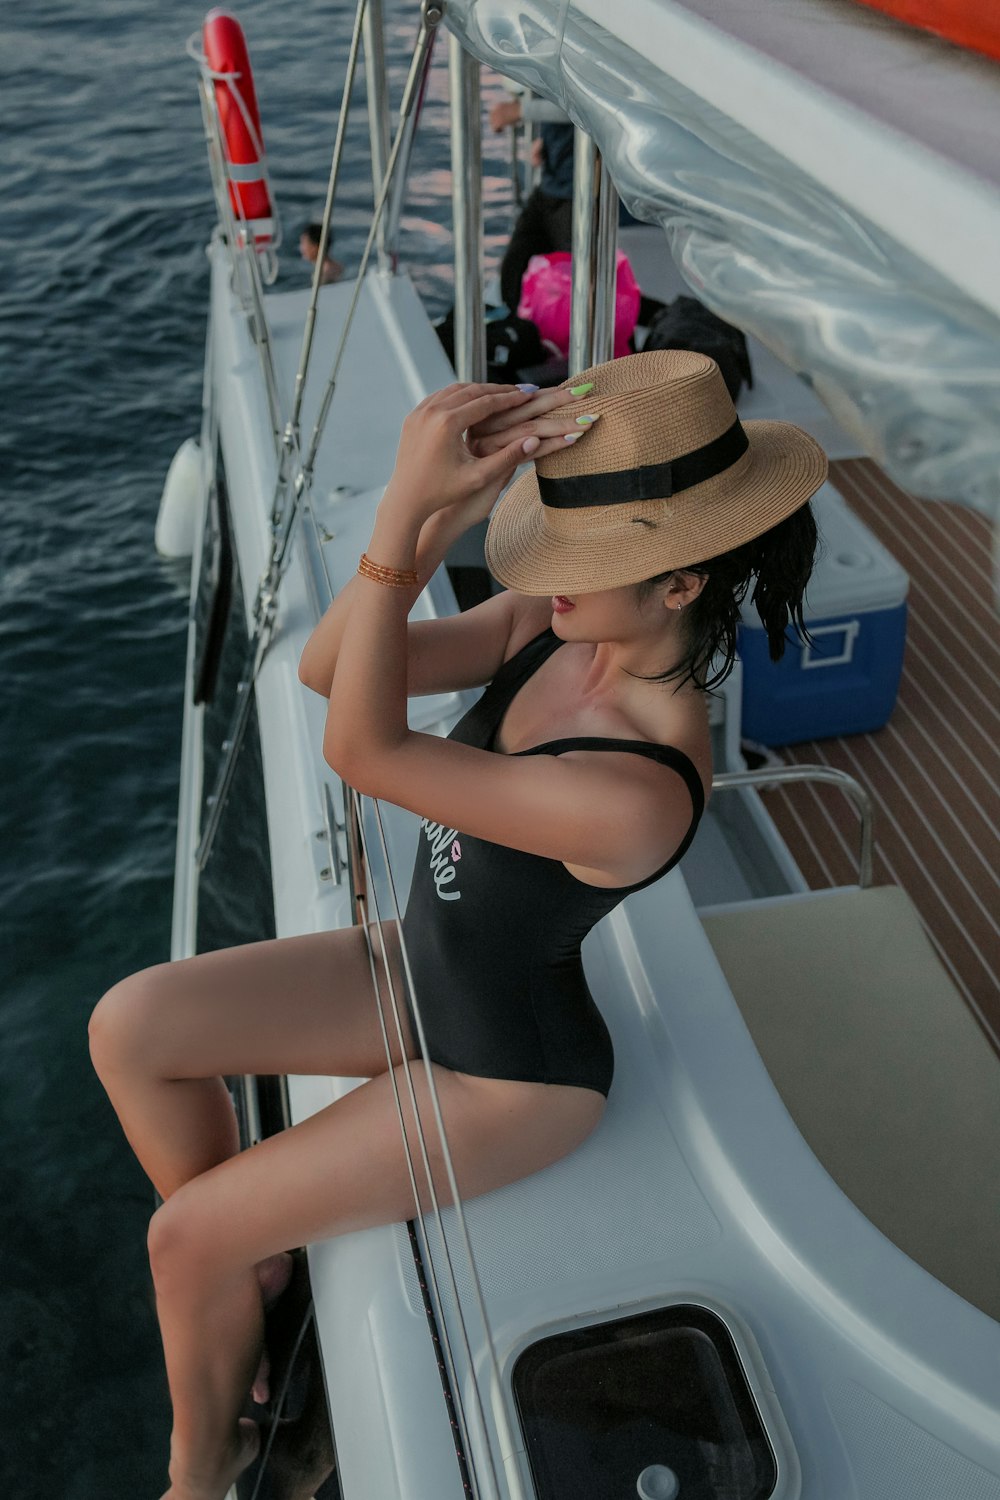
[341,1170]
[162,1039]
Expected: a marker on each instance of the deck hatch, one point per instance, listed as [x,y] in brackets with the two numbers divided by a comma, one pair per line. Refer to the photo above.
[616,1409]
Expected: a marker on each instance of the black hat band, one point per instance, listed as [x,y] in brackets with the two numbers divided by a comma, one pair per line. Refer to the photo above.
[650,481]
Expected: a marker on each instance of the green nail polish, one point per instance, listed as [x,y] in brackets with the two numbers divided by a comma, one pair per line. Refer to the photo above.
[581,390]
[586,421]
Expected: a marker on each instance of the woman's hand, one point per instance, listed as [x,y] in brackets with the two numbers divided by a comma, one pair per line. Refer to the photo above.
[549,416]
[460,447]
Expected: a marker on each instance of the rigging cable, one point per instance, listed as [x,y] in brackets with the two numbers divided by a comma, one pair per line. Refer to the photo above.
[427,1172]
[449,1377]
[331,189]
[431,16]
[509,1442]
[265,604]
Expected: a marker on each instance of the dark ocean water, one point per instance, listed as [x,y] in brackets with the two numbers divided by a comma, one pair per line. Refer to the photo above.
[106,213]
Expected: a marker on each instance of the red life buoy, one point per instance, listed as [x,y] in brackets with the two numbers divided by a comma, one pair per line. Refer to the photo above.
[226,54]
[974,24]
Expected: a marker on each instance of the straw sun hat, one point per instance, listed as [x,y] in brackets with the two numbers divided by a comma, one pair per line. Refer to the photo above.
[667,478]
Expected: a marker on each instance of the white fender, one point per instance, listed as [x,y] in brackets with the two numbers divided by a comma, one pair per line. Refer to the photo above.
[180,502]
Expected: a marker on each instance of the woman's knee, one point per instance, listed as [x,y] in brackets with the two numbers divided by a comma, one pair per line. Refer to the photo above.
[176,1243]
[191,1252]
[122,1026]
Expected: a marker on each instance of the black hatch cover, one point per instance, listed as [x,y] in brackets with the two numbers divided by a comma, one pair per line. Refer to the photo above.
[655,1406]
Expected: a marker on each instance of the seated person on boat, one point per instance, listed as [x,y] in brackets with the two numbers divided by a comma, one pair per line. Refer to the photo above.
[578,777]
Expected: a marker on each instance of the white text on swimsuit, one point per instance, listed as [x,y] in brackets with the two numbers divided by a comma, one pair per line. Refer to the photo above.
[442,841]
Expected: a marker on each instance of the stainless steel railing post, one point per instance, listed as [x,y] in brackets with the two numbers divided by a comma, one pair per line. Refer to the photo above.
[594,243]
[605,267]
[409,121]
[378,116]
[467,212]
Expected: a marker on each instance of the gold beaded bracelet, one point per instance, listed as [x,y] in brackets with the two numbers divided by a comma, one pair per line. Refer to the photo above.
[393,578]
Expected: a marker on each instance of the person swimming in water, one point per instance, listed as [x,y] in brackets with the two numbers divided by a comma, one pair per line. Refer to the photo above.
[309,242]
[649,513]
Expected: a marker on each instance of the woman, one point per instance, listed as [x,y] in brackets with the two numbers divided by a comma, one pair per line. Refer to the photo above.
[577,777]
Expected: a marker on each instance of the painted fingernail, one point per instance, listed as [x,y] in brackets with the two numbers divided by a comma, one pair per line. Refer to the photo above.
[581,390]
[527,389]
[572,437]
[586,421]
[530,444]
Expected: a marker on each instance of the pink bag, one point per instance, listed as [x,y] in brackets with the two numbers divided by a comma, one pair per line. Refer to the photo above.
[546,294]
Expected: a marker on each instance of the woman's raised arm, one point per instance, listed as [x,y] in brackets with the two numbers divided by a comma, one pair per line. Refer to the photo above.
[612,819]
[460,642]
[463,650]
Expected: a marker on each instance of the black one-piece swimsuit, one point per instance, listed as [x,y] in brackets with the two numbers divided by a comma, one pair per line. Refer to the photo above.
[493,934]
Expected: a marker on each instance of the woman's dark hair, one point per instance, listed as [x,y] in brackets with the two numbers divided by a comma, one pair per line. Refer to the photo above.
[780,561]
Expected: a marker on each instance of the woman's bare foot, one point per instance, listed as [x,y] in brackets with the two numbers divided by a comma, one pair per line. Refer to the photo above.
[274,1274]
[239,1456]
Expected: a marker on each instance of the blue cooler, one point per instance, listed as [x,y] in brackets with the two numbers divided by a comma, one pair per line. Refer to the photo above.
[846,681]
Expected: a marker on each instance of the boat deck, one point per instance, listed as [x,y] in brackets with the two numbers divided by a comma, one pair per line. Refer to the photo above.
[934,769]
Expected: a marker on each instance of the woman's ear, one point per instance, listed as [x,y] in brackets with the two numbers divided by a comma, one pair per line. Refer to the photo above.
[683,587]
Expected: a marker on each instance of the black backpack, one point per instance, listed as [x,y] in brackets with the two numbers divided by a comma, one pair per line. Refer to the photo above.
[687,323]
[513,346]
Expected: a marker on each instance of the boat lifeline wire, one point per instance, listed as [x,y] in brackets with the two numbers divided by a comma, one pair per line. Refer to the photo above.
[430,18]
[432,1188]
[305,354]
[282,529]
[509,1443]
[439,1330]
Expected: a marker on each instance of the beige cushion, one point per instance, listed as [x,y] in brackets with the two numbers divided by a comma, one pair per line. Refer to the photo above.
[882,1067]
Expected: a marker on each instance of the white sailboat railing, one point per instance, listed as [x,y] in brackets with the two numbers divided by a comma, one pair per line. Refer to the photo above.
[860,798]
[292,489]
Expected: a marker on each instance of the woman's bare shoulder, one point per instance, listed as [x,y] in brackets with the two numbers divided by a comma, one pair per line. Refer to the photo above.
[678,721]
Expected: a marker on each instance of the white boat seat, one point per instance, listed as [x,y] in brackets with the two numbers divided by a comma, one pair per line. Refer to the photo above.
[881,1065]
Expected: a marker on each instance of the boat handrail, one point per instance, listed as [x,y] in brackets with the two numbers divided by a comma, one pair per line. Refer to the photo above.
[858,795]
[376,89]
[432,14]
[309,325]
